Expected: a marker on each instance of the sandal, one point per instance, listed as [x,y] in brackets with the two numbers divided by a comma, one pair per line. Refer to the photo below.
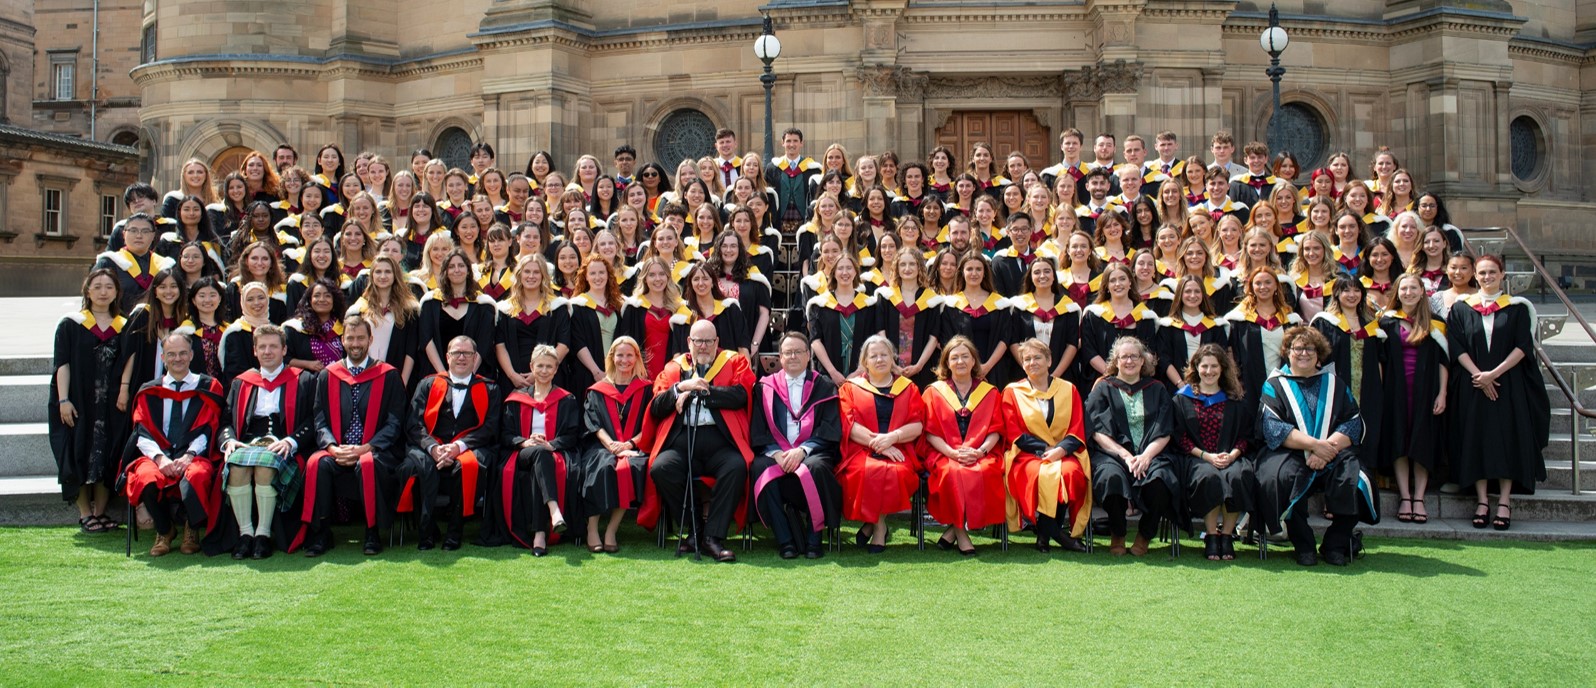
[1404,513]
[91,524]
[1482,511]
[1502,522]
[108,522]
[1419,517]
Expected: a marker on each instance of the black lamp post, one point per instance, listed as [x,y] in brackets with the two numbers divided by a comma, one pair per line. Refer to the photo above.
[1274,40]
[767,48]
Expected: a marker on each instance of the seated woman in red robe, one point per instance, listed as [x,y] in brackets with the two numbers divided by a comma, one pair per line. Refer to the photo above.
[964,461]
[1047,463]
[882,418]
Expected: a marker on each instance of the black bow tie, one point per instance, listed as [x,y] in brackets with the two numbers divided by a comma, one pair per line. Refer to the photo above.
[456,385]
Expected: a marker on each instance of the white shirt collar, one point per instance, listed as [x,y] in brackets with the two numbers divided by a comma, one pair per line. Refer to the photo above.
[362,364]
[188,380]
[795,380]
[460,381]
[272,374]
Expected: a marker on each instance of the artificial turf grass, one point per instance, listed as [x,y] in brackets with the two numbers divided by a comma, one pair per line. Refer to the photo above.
[1413,611]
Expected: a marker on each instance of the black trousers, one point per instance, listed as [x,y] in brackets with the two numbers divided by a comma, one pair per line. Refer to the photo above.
[714,456]
[350,481]
[431,482]
[783,506]
[1337,537]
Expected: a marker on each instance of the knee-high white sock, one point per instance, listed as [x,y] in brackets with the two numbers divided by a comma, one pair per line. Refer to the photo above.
[266,504]
[239,496]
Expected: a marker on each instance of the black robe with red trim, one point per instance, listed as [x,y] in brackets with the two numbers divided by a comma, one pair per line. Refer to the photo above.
[375,479]
[608,482]
[202,414]
[295,406]
[432,421]
[513,508]
[731,384]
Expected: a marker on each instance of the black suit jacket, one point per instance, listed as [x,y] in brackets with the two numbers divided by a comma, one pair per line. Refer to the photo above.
[486,421]
[304,430]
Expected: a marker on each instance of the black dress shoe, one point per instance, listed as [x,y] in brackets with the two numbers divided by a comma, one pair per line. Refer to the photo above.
[686,546]
[1070,543]
[319,544]
[246,545]
[1042,546]
[426,544]
[712,547]
[373,542]
[789,552]
[967,552]
[814,553]
[540,551]
[1307,559]
[945,543]
[1336,557]
[451,544]
[875,549]
[263,547]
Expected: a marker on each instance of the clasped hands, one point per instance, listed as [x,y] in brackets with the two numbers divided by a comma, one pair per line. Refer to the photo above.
[173,468]
[882,445]
[685,389]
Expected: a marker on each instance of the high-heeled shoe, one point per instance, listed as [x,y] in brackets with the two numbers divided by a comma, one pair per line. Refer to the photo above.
[1502,522]
[945,543]
[1211,546]
[1482,514]
[1227,547]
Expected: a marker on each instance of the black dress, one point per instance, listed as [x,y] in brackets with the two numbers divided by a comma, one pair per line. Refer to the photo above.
[988,324]
[1407,428]
[1208,487]
[1100,326]
[1112,481]
[1059,327]
[521,331]
[606,483]
[1502,438]
[87,453]
[912,323]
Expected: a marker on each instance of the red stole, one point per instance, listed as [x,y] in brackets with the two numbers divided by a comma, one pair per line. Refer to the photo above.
[729,368]
[437,396]
[251,380]
[550,406]
[634,432]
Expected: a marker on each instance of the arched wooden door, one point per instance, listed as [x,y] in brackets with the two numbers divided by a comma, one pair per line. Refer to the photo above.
[1005,130]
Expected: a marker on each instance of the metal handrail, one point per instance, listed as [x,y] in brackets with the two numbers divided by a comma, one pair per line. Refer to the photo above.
[1569,390]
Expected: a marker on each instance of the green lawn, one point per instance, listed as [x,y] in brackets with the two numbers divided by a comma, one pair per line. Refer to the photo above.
[76,612]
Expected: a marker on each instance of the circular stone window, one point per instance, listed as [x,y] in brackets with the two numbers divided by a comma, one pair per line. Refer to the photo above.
[454,148]
[1303,133]
[1528,146]
[683,135]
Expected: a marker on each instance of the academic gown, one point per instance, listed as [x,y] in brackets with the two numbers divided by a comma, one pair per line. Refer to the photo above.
[520,331]
[731,383]
[812,488]
[842,327]
[276,307]
[730,326]
[376,477]
[1502,438]
[1101,327]
[650,326]
[1207,487]
[1355,355]
[88,452]
[295,407]
[477,323]
[1106,414]
[138,348]
[987,324]
[1175,349]
[196,488]
[134,273]
[1407,428]
[1247,347]
[1059,327]
[912,322]
[968,496]
[874,487]
[432,421]
[587,334]
[518,482]
[606,481]
[1284,478]
[1040,420]
[403,342]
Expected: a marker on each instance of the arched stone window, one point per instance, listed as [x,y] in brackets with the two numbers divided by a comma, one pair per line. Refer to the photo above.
[228,161]
[1303,133]
[1527,143]
[454,148]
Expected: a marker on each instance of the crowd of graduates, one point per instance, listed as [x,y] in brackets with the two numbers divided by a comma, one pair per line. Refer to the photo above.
[1167,337]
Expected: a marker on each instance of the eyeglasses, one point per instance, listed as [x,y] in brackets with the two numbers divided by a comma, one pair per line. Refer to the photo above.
[697,340]
[794,352]
[462,354]
[1302,350]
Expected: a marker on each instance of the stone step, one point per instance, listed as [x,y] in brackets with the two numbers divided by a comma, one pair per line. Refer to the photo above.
[25,365]
[35,500]
[23,398]
[1560,475]
[25,450]
[1566,353]
[1547,504]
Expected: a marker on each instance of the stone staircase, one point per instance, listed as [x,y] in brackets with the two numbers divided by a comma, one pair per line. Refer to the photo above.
[28,491]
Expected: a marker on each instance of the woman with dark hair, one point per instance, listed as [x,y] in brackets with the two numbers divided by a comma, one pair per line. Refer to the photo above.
[205,318]
[1047,460]
[457,307]
[1381,266]
[1501,412]
[193,227]
[227,214]
[1433,212]
[257,227]
[1131,421]
[329,168]
[839,319]
[425,219]
[655,181]
[1192,324]
[1215,427]
[741,282]
[162,312]
[1311,427]
[704,300]
[980,314]
[537,167]
[1286,167]
[1144,222]
[389,304]
[1045,312]
[87,420]
[916,192]
[258,262]
[964,439]
[320,262]
[314,333]
[1116,314]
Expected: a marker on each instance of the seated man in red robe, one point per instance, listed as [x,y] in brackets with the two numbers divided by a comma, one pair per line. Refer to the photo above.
[175,420]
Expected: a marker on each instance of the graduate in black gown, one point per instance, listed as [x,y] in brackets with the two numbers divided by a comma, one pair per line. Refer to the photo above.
[840,319]
[1355,337]
[1128,467]
[136,263]
[978,312]
[908,312]
[395,318]
[1116,314]
[1257,328]
[1500,407]
[796,429]
[87,427]
[1414,365]
[531,482]
[1045,312]
[704,300]
[531,313]
[614,457]
[161,312]
[1191,324]
[1215,429]
[457,307]
[1310,426]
